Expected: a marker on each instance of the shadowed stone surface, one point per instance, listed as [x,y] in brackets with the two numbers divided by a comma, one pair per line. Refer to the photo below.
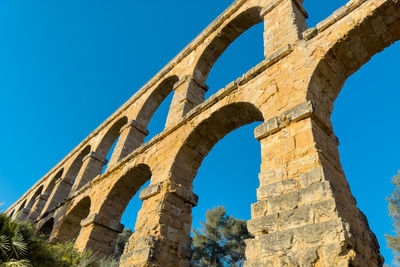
[305,214]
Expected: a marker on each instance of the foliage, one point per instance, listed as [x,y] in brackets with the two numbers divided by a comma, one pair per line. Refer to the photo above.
[108,262]
[394,211]
[20,245]
[123,238]
[15,263]
[220,241]
[70,256]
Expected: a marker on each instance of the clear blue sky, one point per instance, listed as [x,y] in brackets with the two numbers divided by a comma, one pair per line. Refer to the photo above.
[65,66]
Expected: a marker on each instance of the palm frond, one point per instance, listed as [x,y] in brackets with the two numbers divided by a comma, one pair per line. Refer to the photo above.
[15,263]
[4,245]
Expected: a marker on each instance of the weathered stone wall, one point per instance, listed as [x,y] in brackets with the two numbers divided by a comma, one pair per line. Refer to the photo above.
[305,214]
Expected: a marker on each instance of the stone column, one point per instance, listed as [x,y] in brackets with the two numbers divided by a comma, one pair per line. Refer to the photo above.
[99,234]
[162,231]
[24,214]
[131,137]
[38,207]
[189,92]
[91,167]
[284,23]
[305,214]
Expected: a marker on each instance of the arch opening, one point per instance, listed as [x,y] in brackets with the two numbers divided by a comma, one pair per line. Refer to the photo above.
[224,39]
[41,203]
[202,140]
[155,99]
[118,203]
[52,184]
[154,112]
[346,78]
[22,206]
[369,168]
[64,186]
[110,155]
[71,225]
[226,67]
[348,54]
[108,142]
[76,166]
[47,228]
[34,198]
[207,134]
[124,190]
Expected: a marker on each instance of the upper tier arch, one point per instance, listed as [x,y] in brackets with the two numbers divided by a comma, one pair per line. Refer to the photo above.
[225,37]
[351,43]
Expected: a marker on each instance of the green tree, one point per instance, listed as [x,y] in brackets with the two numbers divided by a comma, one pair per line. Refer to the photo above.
[220,240]
[394,211]
[123,238]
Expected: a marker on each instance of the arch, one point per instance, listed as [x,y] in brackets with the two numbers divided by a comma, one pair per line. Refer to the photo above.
[12,213]
[176,216]
[40,204]
[202,139]
[63,185]
[75,167]
[223,39]
[109,138]
[351,50]
[71,224]
[52,184]
[47,228]
[34,198]
[22,206]
[155,99]
[124,190]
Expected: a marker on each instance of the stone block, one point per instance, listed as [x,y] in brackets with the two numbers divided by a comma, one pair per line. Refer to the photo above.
[271,244]
[276,189]
[267,128]
[150,191]
[314,176]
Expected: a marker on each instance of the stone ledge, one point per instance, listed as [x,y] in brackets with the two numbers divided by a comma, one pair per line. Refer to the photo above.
[275,3]
[199,82]
[185,194]
[150,191]
[64,181]
[270,7]
[275,124]
[103,221]
[93,155]
[178,189]
[137,125]
[43,197]
[332,19]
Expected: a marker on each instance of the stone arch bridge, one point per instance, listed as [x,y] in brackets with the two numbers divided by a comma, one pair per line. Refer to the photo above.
[305,214]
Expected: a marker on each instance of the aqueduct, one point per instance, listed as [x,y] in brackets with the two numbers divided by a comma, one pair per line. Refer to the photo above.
[305,214]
